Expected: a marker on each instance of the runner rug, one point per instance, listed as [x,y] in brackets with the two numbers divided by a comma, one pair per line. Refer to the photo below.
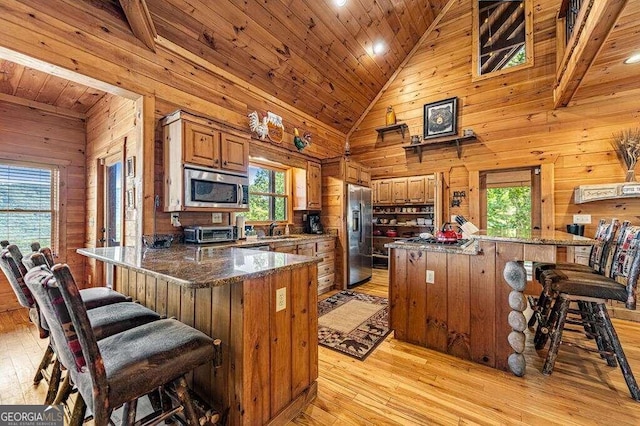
[353,323]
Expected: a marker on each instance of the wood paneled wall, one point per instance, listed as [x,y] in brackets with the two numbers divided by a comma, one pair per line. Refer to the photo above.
[512,115]
[40,137]
[112,130]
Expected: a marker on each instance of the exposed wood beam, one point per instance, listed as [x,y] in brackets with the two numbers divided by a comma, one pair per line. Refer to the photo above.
[588,38]
[140,21]
[404,63]
[64,112]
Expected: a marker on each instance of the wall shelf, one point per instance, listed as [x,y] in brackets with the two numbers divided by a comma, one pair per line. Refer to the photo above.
[399,128]
[439,143]
[607,191]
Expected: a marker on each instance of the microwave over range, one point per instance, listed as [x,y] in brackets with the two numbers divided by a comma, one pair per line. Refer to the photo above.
[214,188]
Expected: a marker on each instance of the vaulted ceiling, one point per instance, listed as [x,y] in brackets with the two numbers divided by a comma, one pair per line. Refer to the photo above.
[309,53]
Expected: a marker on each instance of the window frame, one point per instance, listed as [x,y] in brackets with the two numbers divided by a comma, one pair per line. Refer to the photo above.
[528,44]
[54,201]
[287,192]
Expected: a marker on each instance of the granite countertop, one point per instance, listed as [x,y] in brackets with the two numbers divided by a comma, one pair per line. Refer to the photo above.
[471,248]
[200,266]
[280,240]
[549,237]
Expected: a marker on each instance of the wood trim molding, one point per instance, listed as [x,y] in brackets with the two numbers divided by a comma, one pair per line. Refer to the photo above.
[64,112]
[140,21]
[404,63]
[595,22]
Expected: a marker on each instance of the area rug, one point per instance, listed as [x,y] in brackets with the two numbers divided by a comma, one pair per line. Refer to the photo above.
[353,323]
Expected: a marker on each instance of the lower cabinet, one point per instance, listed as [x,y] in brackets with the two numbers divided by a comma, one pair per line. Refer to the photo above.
[325,249]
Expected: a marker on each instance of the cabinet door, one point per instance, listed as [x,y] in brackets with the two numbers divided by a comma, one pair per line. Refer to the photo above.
[400,191]
[201,145]
[417,189]
[351,172]
[308,249]
[314,186]
[365,176]
[431,189]
[234,153]
[385,191]
[374,192]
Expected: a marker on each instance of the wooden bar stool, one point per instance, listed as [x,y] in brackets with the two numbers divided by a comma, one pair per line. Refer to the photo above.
[594,291]
[119,369]
[600,263]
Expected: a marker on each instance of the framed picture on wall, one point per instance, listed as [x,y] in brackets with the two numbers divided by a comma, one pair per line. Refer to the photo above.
[441,118]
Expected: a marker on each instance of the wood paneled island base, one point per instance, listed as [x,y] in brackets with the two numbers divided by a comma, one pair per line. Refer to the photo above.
[270,347]
[465,310]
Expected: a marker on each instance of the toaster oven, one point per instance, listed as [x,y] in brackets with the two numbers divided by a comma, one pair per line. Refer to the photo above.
[209,234]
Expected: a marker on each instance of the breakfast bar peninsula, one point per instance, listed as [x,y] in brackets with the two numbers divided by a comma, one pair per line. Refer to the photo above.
[263,307]
[455,299]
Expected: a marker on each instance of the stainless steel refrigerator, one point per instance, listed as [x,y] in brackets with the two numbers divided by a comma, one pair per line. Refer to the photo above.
[359,233]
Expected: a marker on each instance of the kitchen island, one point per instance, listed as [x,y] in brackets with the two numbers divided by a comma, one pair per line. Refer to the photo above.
[455,300]
[262,305]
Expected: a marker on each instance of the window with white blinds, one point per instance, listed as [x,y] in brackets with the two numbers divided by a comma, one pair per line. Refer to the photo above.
[27,196]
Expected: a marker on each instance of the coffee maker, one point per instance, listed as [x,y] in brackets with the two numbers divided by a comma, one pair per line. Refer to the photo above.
[312,224]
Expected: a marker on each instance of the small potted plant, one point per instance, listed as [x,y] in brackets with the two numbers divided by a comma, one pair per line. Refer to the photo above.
[627,144]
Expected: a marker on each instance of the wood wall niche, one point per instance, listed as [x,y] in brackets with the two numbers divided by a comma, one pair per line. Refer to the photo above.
[41,137]
[512,115]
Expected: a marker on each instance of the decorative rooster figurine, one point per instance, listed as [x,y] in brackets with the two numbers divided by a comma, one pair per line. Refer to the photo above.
[261,129]
[301,142]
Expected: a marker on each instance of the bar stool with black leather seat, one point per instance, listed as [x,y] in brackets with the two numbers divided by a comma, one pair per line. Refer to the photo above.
[605,234]
[595,291]
[93,296]
[600,262]
[119,369]
[106,320]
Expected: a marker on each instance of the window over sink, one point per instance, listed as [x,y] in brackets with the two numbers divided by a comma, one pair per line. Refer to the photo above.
[268,194]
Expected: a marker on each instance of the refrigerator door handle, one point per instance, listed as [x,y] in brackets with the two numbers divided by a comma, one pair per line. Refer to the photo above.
[360,219]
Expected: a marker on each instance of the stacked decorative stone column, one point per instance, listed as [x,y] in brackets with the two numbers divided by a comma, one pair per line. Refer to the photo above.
[516,276]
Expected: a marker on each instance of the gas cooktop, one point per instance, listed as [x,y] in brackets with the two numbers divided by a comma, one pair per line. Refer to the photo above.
[419,240]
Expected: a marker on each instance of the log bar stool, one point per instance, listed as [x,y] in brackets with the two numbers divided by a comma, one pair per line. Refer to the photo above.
[594,291]
[121,368]
[605,234]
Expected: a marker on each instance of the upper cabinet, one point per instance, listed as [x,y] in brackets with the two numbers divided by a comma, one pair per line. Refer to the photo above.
[348,170]
[412,190]
[205,143]
[307,187]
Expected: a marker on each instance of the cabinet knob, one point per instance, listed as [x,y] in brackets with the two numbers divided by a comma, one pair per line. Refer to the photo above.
[225,162]
[215,161]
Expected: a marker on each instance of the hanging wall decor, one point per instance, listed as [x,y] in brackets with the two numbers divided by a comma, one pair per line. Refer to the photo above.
[301,142]
[276,128]
[440,118]
[257,126]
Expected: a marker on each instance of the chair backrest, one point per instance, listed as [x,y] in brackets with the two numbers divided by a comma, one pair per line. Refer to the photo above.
[625,268]
[606,234]
[48,255]
[16,279]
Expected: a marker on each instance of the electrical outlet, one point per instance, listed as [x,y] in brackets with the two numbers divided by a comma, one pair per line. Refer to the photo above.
[175,219]
[453,218]
[431,276]
[216,217]
[582,218]
[281,299]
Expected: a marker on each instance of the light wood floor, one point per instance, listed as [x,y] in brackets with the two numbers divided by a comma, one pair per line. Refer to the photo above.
[404,384]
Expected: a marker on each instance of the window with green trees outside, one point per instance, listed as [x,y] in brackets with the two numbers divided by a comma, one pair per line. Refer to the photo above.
[268,198]
[509,208]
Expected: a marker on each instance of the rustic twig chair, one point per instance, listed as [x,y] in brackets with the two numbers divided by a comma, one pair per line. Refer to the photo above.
[119,369]
[593,291]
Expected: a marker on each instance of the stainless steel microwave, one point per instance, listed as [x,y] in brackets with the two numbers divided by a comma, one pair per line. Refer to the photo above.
[215,188]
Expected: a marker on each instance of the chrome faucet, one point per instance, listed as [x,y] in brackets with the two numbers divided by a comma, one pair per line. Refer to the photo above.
[272,226]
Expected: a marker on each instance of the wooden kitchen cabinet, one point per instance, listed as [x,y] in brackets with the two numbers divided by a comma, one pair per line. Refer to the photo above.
[205,143]
[307,187]
[431,189]
[356,173]
[400,191]
[417,189]
[384,191]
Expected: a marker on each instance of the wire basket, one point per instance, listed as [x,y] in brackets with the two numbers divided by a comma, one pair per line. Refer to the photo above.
[157,241]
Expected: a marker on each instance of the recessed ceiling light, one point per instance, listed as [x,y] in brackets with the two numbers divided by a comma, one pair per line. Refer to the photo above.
[341,2]
[633,59]
[379,48]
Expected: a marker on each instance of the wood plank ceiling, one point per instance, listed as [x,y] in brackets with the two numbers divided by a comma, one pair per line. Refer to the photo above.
[309,53]
[33,85]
